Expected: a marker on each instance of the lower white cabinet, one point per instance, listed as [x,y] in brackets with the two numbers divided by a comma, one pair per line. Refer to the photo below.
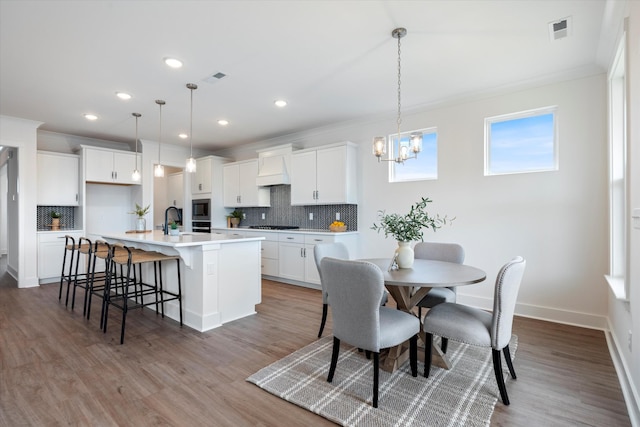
[296,260]
[51,253]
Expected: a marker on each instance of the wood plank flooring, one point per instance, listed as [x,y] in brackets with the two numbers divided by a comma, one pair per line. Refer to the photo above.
[57,368]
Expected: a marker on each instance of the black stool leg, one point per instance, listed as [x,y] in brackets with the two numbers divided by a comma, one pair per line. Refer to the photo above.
[179,290]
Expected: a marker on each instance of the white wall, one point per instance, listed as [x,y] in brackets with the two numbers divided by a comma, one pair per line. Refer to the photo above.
[22,250]
[556,220]
[3,208]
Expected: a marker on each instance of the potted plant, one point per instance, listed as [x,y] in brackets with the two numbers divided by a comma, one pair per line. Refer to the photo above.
[235,217]
[141,222]
[55,220]
[173,228]
[409,228]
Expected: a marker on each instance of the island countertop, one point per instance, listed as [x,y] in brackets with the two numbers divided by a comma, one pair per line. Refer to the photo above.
[157,237]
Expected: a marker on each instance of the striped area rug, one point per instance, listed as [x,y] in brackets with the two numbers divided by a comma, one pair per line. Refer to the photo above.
[465,395]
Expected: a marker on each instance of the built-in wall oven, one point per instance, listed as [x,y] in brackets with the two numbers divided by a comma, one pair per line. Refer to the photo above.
[201,215]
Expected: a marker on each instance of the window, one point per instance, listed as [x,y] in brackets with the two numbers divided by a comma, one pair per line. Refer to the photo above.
[521,142]
[422,168]
[617,175]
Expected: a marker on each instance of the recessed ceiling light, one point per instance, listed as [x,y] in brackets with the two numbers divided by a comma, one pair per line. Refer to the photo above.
[173,62]
[183,135]
[123,95]
[280,103]
[223,122]
[91,117]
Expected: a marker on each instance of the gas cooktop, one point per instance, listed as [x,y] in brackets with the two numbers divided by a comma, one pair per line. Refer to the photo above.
[274,227]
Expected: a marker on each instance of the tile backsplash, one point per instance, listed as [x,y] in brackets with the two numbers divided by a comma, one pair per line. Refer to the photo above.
[282,213]
[67,217]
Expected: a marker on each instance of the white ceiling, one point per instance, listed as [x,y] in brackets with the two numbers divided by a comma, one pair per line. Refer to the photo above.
[332,61]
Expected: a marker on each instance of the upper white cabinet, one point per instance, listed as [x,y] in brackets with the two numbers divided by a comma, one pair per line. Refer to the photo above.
[324,176]
[240,189]
[202,179]
[57,179]
[110,166]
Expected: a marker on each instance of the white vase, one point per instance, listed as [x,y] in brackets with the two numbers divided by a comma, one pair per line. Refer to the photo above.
[404,255]
[141,224]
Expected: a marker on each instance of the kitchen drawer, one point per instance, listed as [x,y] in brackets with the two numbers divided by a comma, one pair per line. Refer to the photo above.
[291,237]
[269,267]
[269,249]
[314,239]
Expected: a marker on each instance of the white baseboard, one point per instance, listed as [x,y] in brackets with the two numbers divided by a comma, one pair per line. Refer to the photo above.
[631,396]
[573,318]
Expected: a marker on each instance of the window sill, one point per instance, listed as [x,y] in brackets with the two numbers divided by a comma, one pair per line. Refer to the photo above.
[616,284]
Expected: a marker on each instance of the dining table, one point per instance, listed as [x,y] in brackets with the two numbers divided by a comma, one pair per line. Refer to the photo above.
[408,286]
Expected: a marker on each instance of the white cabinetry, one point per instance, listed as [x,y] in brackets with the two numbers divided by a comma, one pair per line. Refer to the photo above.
[51,253]
[324,175]
[202,179]
[57,179]
[240,189]
[109,166]
[175,190]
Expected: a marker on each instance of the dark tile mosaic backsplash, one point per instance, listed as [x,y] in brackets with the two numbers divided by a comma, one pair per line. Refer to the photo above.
[282,213]
[67,217]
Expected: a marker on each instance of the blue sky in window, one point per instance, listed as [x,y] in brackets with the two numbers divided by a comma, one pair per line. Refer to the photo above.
[425,166]
[523,144]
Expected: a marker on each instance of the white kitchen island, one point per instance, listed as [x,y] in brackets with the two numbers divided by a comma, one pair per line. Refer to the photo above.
[220,274]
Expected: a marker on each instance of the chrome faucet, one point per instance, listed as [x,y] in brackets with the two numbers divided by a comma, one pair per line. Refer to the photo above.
[166,214]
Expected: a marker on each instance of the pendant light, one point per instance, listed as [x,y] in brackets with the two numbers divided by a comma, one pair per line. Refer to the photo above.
[191,162]
[159,169]
[414,144]
[135,176]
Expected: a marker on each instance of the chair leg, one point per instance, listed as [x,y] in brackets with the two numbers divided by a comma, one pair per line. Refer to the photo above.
[367,353]
[324,319]
[497,368]
[443,344]
[427,355]
[376,376]
[413,355]
[334,359]
[507,358]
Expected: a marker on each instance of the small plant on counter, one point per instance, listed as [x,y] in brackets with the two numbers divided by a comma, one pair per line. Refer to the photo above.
[173,225]
[55,214]
[237,213]
[140,211]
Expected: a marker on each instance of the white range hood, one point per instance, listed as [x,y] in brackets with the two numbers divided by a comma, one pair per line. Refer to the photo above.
[273,166]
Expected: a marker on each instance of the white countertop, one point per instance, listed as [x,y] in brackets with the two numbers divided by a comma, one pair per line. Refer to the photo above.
[157,237]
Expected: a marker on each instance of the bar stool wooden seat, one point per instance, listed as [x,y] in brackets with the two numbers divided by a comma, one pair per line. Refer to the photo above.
[128,290]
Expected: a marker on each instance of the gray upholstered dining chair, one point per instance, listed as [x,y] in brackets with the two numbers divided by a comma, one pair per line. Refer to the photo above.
[450,252]
[477,327]
[334,250]
[356,288]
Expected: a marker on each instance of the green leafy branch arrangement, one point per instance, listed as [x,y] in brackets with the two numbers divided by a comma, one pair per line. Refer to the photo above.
[408,228]
[140,211]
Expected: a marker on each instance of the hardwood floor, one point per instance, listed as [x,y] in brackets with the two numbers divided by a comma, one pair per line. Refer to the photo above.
[58,368]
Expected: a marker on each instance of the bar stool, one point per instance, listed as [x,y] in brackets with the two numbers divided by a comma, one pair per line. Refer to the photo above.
[98,279]
[83,279]
[69,251]
[128,291]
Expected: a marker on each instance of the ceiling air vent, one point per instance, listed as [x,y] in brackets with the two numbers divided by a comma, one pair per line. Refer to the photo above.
[213,78]
[560,29]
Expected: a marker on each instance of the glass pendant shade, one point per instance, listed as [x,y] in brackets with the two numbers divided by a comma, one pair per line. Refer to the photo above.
[158,171]
[191,165]
[379,146]
[416,142]
[135,176]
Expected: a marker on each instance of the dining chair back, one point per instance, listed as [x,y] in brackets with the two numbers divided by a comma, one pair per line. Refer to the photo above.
[473,326]
[356,288]
[449,252]
[322,250]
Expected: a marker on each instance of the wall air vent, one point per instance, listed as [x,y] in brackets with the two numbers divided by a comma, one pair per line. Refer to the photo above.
[215,77]
[560,29]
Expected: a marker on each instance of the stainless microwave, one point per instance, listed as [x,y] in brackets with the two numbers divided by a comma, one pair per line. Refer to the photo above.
[201,209]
